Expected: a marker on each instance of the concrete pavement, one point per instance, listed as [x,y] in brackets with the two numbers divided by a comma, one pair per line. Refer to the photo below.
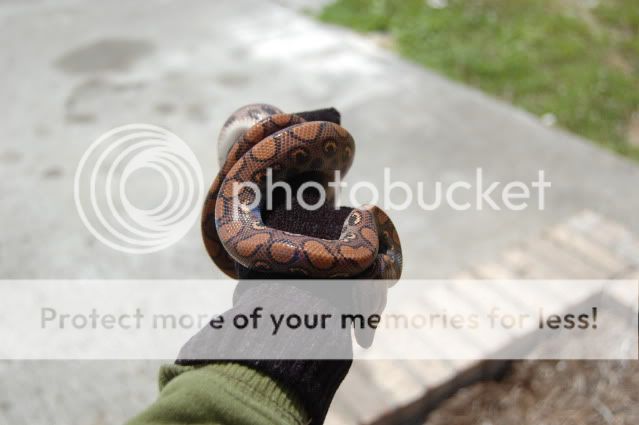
[73,70]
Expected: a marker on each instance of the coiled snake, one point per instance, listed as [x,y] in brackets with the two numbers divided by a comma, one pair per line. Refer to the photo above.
[260,137]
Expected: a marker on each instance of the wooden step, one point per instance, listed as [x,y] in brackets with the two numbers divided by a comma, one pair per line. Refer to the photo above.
[585,246]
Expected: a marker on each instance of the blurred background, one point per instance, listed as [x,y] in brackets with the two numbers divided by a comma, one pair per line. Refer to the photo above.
[431,89]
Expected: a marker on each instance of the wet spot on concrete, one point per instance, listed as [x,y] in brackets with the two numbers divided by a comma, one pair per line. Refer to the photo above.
[104,55]
[79,118]
[129,86]
[173,76]
[165,108]
[52,173]
[41,130]
[90,98]
[89,87]
[196,112]
[10,157]
[233,79]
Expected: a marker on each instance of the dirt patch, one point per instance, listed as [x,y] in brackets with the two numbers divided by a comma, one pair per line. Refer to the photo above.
[633,130]
[548,393]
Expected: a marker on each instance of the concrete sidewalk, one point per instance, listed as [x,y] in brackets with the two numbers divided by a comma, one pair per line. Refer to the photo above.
[74,70]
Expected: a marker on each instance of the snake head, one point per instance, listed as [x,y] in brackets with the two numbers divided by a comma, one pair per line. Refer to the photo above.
[238,123]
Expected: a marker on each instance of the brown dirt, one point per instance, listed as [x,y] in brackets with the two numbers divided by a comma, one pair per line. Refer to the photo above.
[633,130]
[549,393]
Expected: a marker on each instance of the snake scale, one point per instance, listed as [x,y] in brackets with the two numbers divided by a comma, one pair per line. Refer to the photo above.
[258,137]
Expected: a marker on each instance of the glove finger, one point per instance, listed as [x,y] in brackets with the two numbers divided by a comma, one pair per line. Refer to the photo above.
[370,299]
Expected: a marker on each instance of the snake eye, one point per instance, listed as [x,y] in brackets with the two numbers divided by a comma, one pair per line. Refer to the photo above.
[388,238]
[330,147]
[300,156]
[347,153]
[355,218]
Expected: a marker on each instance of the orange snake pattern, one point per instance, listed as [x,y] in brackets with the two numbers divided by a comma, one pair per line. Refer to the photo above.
[288,145]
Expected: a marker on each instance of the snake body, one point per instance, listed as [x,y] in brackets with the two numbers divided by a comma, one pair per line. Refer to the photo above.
[261,137]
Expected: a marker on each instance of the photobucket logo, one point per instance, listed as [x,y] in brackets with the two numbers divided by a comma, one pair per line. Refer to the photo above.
[105,175]
[460,195]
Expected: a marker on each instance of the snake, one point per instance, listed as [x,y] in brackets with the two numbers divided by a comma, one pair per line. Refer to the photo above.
[258,139]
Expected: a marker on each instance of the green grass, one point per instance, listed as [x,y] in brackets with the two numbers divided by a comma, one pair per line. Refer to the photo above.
[561,57]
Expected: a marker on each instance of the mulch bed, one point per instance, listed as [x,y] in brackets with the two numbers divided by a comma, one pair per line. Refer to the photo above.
[549,393]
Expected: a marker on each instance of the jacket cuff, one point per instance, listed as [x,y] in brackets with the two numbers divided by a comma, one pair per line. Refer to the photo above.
[314,382]
[236,391]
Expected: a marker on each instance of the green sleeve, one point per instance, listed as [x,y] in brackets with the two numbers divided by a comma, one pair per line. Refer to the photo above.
[220,394]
